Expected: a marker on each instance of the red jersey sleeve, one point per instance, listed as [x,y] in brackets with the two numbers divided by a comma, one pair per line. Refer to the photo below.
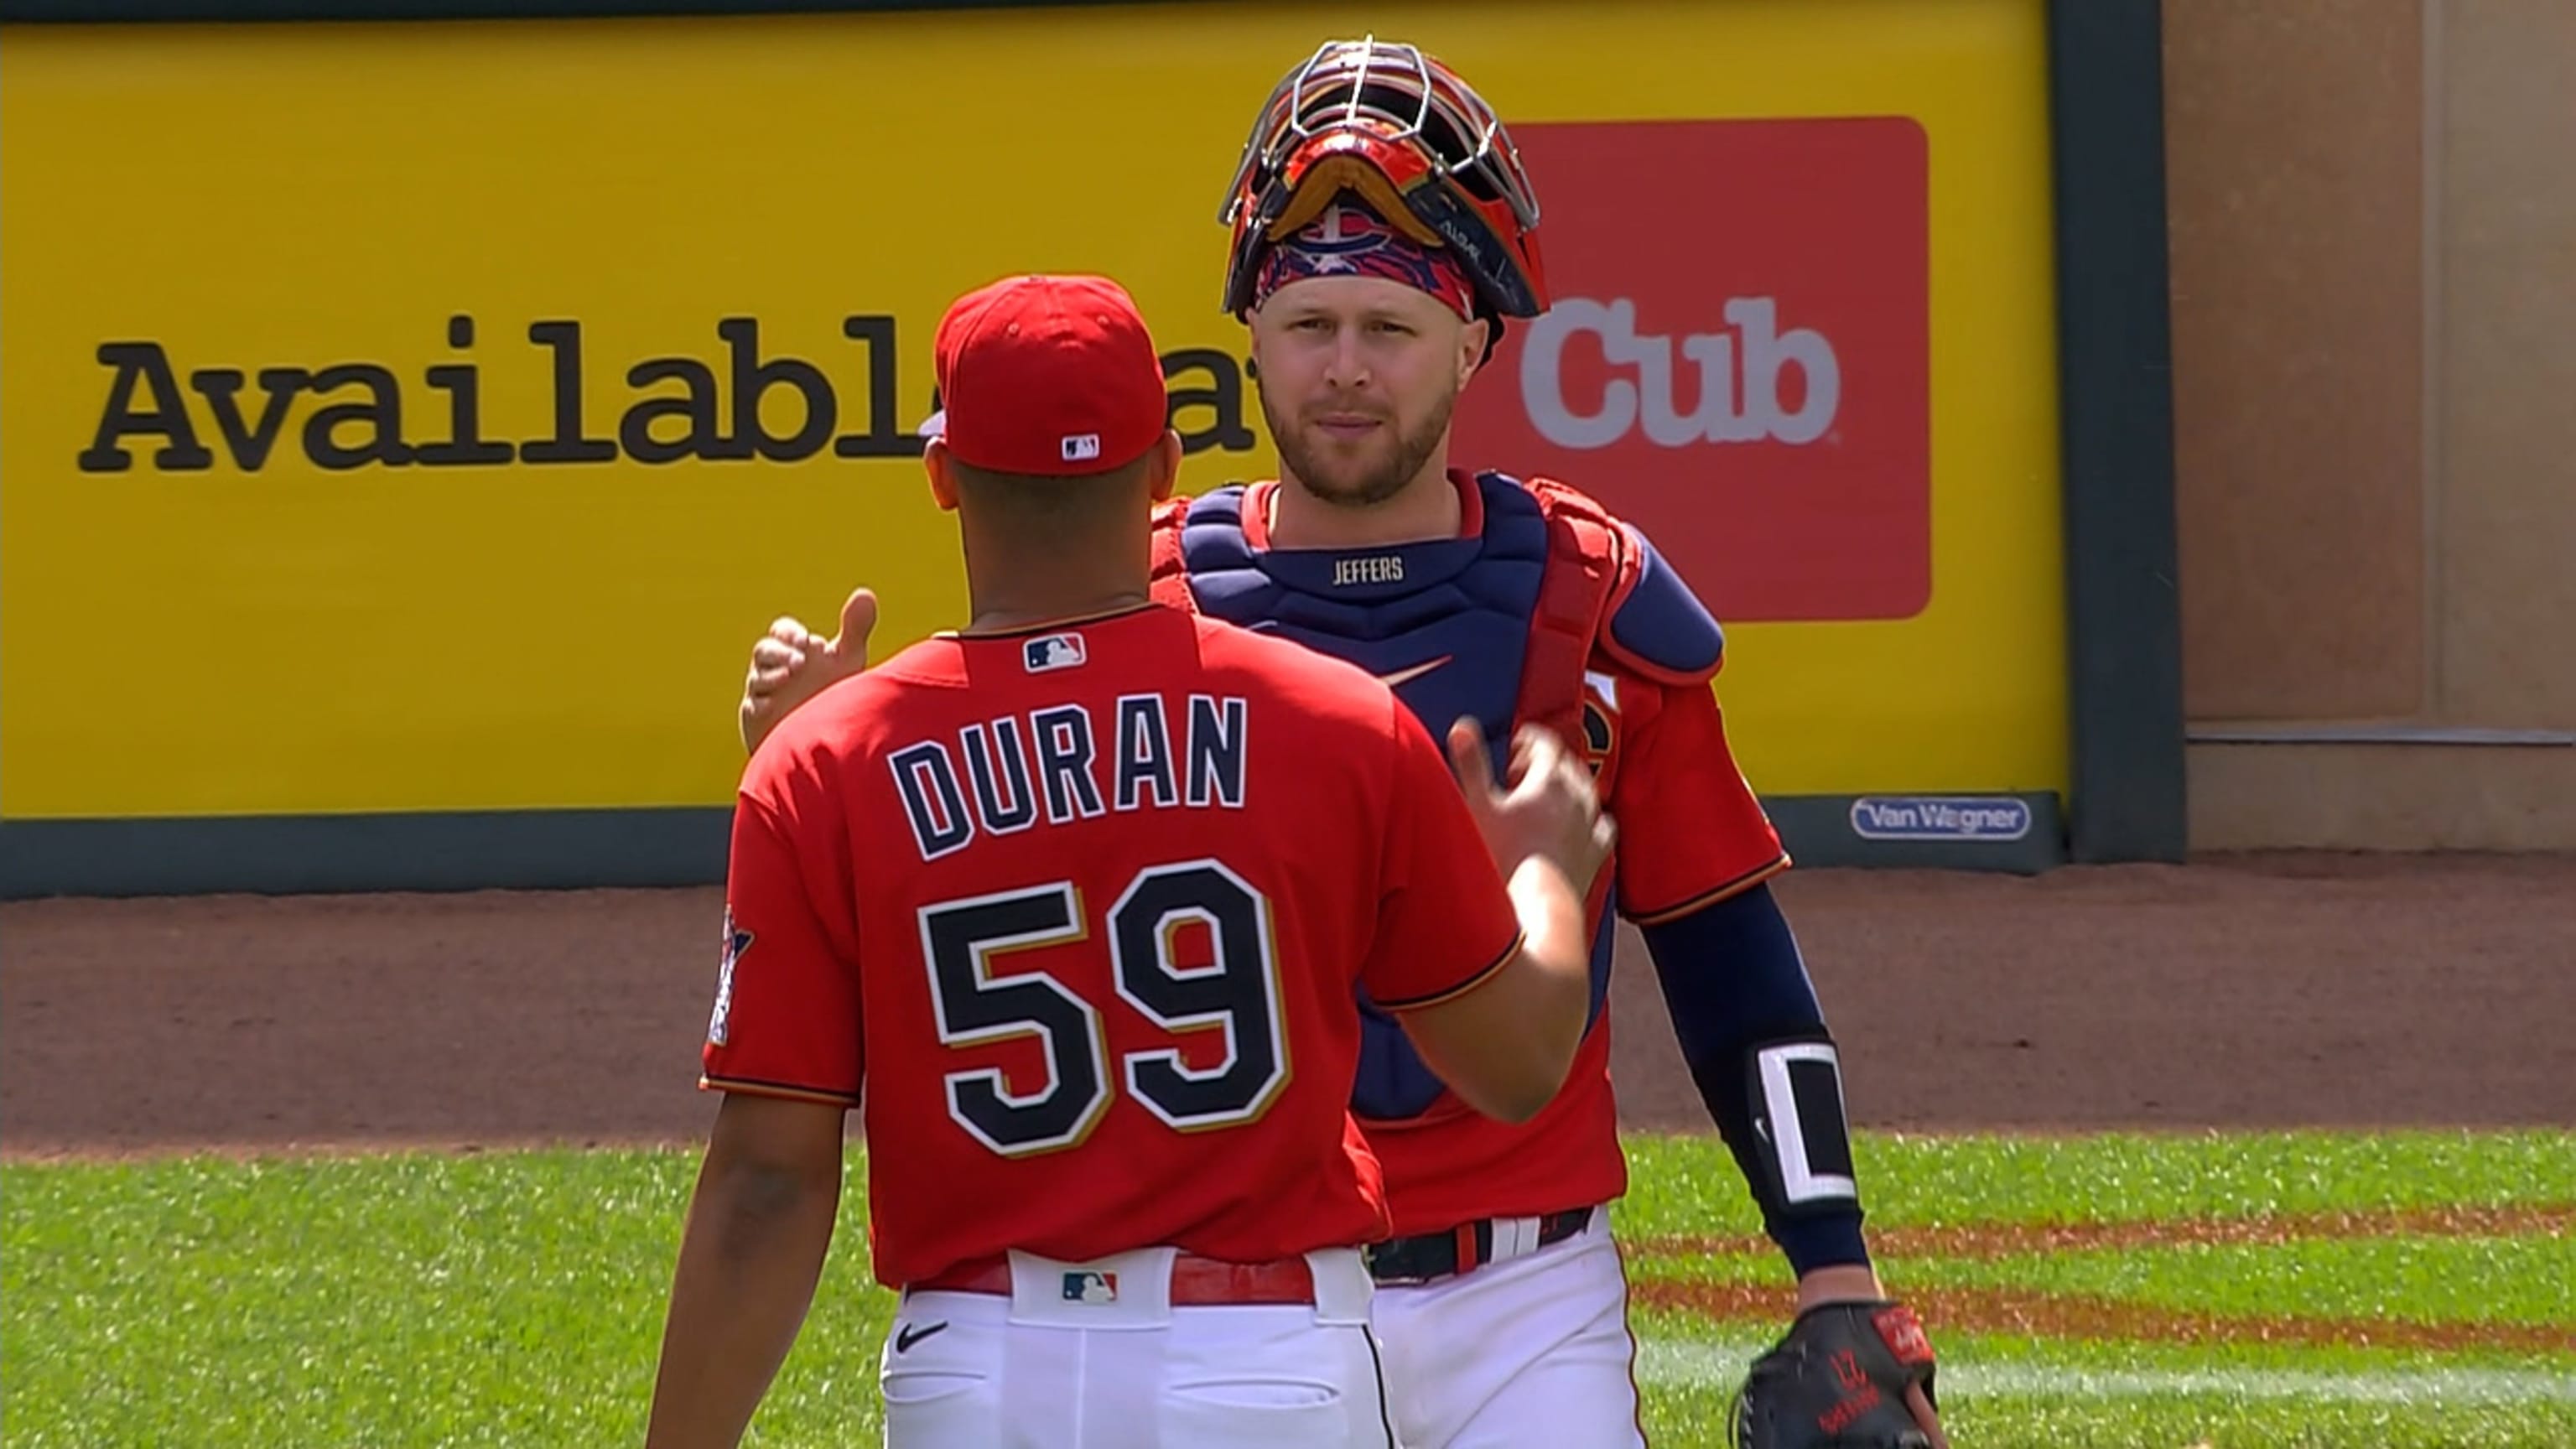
[1691,832]
[1445,921]
[786,1020]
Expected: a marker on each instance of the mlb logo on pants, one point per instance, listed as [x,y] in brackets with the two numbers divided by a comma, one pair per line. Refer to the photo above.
[1090,1287]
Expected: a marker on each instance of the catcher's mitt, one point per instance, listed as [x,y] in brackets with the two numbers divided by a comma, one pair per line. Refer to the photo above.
[1837,1380]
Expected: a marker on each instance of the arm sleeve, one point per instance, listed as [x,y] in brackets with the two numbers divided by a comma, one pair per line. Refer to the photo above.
[1690,830]
[1732,976]
[786,1021]
[1445,922]
[1695,854]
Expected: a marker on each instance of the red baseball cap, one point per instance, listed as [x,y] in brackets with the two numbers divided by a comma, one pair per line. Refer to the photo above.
[1049,375]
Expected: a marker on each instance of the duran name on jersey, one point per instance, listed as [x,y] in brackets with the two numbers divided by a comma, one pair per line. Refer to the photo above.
[1068,762]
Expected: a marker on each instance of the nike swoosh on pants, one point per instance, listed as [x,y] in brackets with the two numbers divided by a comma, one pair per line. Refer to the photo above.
[905,1338]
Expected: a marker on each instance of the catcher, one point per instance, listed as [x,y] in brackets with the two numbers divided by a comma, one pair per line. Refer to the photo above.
[1383,231]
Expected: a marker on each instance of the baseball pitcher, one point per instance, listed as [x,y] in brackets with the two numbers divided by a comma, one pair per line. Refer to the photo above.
[1383,231]
[1077,907]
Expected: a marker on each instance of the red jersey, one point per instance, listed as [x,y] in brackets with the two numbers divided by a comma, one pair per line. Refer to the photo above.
[1445,621]
[1691,833]
[1077,914]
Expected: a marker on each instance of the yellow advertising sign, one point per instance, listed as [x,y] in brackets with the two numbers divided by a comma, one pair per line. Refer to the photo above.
[428,416]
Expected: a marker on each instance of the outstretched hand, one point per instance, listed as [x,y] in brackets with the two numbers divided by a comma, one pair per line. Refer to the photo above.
[1546,807]
[791,664]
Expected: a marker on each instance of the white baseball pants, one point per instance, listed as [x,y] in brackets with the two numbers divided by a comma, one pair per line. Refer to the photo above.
[1531,1351]
[1095,1356]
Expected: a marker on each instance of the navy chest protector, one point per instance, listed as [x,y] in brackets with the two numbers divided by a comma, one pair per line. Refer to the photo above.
[1500,627]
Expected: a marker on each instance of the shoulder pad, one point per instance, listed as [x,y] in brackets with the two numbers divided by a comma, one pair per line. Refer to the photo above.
[1171,573]
[1654,624]
[1559,499]
[1659,627]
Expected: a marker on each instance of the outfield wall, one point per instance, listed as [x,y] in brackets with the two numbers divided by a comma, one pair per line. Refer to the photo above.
[2373,294]
[406,425]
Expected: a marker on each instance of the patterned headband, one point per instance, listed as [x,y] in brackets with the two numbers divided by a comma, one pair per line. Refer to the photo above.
[1348,240]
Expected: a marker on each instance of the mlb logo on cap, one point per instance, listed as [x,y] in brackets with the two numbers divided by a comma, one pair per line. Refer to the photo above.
[1082,447]
[1090,1287]
[1055,651]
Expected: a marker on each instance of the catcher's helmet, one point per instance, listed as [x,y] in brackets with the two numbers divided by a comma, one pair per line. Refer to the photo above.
[1414,142]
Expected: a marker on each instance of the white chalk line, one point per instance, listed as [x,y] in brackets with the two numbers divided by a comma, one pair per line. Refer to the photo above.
[1684,1363]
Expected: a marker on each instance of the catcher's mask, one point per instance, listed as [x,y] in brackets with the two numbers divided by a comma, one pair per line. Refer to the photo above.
[1412,141]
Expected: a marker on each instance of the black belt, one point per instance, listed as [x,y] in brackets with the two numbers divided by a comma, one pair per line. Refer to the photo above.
[1428,1256]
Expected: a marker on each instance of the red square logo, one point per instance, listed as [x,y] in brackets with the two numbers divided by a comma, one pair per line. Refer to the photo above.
[1738,355]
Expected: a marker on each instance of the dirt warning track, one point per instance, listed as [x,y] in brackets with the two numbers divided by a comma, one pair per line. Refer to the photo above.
[2277,990]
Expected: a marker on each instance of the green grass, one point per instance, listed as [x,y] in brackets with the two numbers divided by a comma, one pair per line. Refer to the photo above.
[2433,1280]
[430,1300]
[1682,1186]
[517,1298]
